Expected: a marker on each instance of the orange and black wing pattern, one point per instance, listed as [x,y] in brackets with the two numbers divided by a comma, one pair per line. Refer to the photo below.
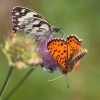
[74,48]
[67,53]
[58,49]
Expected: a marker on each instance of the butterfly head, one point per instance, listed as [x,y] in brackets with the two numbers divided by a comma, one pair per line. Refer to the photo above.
[55,29]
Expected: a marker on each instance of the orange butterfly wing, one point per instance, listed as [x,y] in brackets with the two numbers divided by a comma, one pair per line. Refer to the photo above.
[74,48]
[58,49]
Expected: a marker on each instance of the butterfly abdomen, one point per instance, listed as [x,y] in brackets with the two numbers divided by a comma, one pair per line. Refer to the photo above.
[80,55]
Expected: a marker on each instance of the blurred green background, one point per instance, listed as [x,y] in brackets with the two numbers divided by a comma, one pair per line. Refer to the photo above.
[80,17]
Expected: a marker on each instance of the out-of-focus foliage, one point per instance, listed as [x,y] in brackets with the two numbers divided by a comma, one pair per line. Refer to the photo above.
[80,17]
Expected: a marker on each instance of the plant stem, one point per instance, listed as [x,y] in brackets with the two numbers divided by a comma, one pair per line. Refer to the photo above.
[19,84]
[6,81]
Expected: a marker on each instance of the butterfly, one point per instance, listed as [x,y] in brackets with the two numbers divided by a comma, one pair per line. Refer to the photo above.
[31,23]
[67,53]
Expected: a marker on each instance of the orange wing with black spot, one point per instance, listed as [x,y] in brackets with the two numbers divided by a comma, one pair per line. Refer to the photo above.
[74,48]
[58,49]
[74,45]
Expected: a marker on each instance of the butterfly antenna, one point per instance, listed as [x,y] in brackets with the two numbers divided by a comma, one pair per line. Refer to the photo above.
[67,81]
[56,78]
[63,34]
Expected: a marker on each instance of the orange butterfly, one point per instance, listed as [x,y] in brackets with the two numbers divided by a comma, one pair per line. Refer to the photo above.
[67,53]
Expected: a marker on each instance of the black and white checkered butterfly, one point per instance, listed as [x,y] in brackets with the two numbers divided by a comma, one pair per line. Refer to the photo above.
[31,23]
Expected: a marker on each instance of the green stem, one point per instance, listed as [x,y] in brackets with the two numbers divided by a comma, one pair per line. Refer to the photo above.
[19,84]
[6,81]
